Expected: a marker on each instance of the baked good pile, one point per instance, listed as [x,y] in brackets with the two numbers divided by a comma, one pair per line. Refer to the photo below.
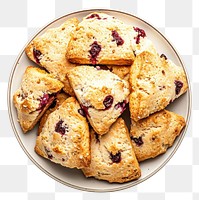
[88,73]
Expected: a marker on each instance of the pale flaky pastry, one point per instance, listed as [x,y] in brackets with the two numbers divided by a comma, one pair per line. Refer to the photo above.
[112,155]
[35,95]
[64,138]
[153,135]
[49,51]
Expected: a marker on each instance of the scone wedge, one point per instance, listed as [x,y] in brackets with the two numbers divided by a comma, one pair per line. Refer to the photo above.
[35,95]
[58,100]
[64,138]
[153,135]
[101,39]
[103,95]
[155,82]
[49,51]
[112,155]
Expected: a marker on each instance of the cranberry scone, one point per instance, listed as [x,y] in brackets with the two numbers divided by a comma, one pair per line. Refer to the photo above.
[112,155]
[153,135]
[35,95]
[49,50]
[64,138]
[58,100]
[103,95]
[155,82]
[101,39]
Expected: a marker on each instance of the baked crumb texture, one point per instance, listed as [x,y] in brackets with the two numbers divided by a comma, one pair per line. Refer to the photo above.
[36,93]
[153,135]
[103,95]
[49,51]
[154,83]
[64,138]
[112,155]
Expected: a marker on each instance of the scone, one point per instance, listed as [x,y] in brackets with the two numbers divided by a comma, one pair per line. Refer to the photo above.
[58,100]
[49,51]
[35,95]
[112,156]
[155,81]
[102,39]
[103,95]
[64,138]
[153,135]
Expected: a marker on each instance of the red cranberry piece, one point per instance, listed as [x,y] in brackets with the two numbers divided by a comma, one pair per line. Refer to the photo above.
[117,38]
[141,33]
[178,85]
[94,16]
[163,56]
[81,112]
[43,101]
[108,101]
[60,128]
[121,105]
[115,158]
[138,140]
[50,156]
[37,55]
[85,110]
[94,51]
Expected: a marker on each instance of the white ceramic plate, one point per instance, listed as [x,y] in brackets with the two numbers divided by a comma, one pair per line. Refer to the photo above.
[72,177]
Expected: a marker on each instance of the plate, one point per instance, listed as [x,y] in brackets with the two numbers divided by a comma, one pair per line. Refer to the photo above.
[73,177]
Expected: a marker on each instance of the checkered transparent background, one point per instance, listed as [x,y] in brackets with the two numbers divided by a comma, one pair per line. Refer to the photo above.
[178,20]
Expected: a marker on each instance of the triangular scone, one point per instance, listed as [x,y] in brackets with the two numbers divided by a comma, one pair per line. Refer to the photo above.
[64,138]
[49,51]
[153,135]
[112,155]
[101,39]
[59,99]
[102,95]
[154,82]
[36,93]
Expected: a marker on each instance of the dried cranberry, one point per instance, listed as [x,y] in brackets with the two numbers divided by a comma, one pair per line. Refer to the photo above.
[81,112]
[94,51]
[85,109]
[121,105]
[93,16]
[60,128]
[50,156]
[37,55]
[43,101]
[141,33]
[116,158]
[117,38]
[108,101]
[138,140]
[178,85]
[163,56]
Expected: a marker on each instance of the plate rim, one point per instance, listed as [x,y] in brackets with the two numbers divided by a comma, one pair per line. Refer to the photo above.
[128,184]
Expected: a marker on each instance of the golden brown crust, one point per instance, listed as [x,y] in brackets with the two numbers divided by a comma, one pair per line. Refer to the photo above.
[122,169]
[152,83]
[89,31]
[92,87]
[36,85]
[53,47]
[64,138]
[157,132]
